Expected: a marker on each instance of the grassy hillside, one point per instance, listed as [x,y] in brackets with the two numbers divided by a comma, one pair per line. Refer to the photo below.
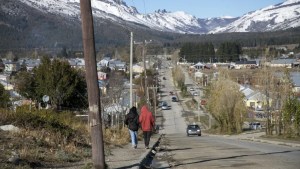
[49,139]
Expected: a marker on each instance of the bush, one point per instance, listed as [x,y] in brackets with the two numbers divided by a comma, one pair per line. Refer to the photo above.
[46,135]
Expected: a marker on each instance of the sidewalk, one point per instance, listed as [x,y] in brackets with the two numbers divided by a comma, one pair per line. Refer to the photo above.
[127,157]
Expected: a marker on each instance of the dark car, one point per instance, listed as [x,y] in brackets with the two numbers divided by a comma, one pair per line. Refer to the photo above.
[164,78]
[193,129]
[174,99]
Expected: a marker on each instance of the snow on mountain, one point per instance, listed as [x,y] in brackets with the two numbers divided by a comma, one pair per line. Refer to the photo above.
[276,17]
[118,11]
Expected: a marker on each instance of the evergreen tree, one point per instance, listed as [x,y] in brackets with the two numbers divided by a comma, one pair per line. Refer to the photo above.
[64,85]
[4,97]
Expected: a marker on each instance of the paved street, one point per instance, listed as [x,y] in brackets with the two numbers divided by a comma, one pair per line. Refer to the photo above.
[207,151]
[221,152]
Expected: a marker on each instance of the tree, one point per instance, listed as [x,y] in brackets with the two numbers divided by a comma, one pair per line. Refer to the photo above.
[64,85]
[229,51]
[4,97]
[25,85]
[291,117]
[226,104]
[179,77]
[195,52]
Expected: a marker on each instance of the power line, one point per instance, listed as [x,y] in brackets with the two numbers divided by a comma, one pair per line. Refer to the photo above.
[144,7]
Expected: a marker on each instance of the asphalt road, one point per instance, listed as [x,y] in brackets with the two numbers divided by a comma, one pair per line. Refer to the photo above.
[180,151]
[174,122]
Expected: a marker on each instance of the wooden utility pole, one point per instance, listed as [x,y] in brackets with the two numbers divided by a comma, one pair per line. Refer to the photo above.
[154,88]
[95,121]
[145,70]
[144,44]
[131,61]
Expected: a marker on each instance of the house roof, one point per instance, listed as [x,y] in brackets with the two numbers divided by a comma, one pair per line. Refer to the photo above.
[252,62]
[295,76]
[256,96]
[247,91]
[199,64]
[32,62]
[283,61]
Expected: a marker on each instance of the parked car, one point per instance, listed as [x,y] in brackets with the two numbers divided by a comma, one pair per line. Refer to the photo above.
[255,126]
[165,106]
[192,89]
[174,99]
[193,129]
[195,94]
[164,78]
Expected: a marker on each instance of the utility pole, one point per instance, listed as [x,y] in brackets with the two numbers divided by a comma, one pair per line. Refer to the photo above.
[92,84]
[145,70]
[154,100]
[144,44]
[131,61]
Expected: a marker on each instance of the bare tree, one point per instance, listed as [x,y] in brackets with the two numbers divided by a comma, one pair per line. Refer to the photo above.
[226,104]
[113,96]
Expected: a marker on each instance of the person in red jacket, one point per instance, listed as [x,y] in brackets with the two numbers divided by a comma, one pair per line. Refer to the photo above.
[146,120]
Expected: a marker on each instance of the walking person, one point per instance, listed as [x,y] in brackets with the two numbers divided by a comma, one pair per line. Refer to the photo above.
[132,121]
[147,123]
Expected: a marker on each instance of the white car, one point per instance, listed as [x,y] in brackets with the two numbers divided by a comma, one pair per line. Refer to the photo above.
[192,89]
[195,94]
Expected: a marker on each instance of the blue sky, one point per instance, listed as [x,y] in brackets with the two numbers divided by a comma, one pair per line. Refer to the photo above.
[203,8]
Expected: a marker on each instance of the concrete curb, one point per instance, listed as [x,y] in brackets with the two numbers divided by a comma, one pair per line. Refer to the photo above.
[146,157]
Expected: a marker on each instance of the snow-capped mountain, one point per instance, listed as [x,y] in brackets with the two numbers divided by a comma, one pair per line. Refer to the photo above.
[118,11]
[276,17]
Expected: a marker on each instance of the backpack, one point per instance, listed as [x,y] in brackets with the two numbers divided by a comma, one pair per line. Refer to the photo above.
[133,124]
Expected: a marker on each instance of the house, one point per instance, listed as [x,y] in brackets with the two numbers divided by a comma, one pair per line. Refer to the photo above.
[6,85]
[104,62]
[295,76]
[246,91]
[253,99]
[199,65]
[288,63]
[137,69]
[256,100]
[245,64]
[77,63]
[117,65]
[31,63]
[102,75]
[11,66]
[3,77]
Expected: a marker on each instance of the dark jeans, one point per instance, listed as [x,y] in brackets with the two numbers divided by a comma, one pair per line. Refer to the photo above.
[147,135]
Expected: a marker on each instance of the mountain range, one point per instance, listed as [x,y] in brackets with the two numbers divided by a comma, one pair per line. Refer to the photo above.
[31,23]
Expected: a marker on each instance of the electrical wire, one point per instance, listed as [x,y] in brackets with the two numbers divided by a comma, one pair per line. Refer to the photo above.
[144,7]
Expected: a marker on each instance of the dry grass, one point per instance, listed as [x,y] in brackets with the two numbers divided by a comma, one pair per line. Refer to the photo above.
[50,138]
